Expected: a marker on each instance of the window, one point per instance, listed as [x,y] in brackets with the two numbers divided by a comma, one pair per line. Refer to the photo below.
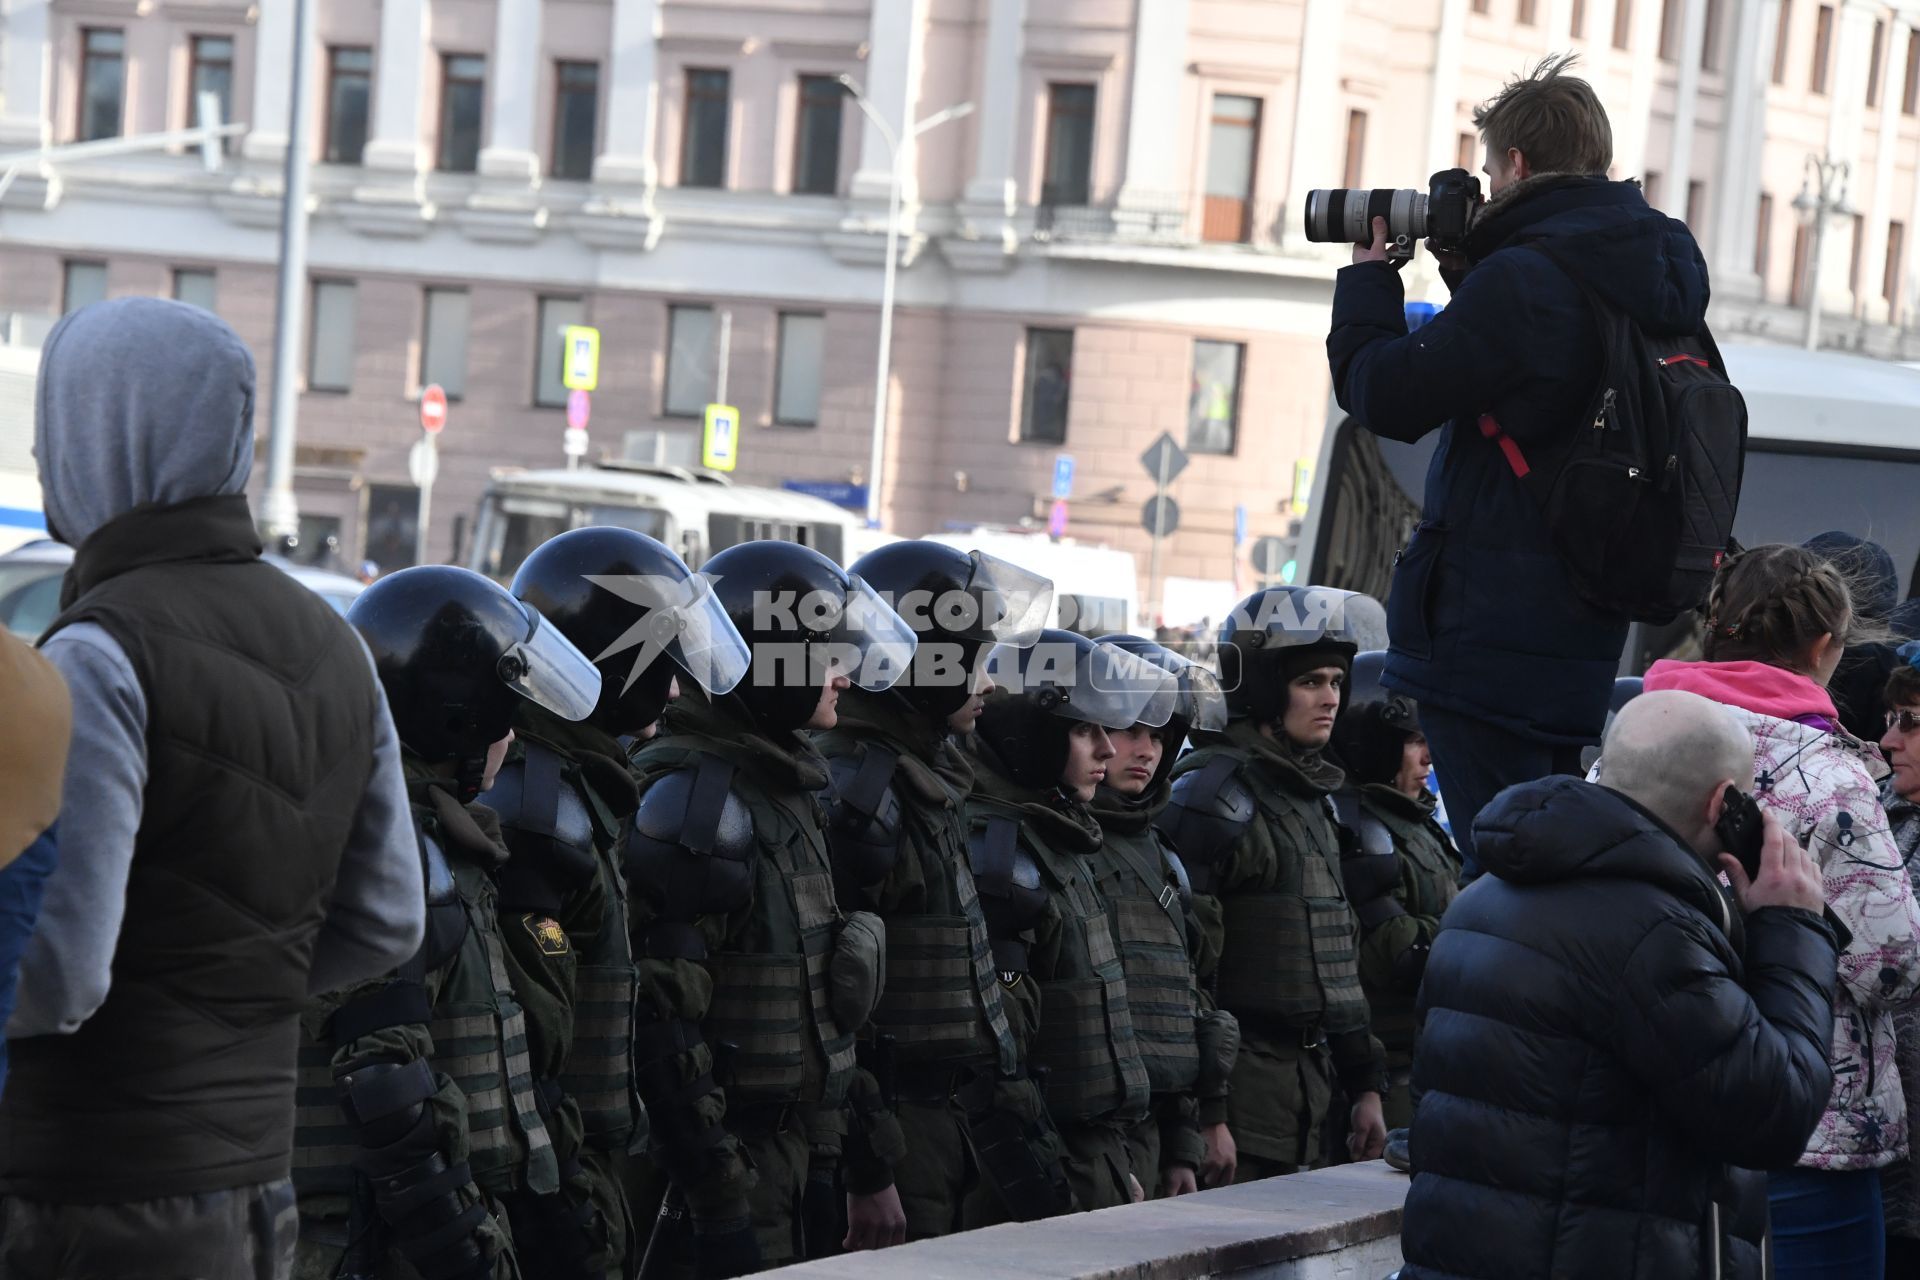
[1797,287]
[1710,38]
[86,283]
[796,387]
[1670,19]
[194,287]
[1069,168]
[1525,14]
[703,139]
[443,342]
[1780,42]
[816,136]
[1763,241]
[1910,97]
[1696,206]
[1855,254]
[1890,275]
[349,87]
[393,525]
[462,97]
[103,82]
[1622,23]
[550,348]
[330,347]
[691,374]
[576,113]
[1356,147]
[212,73]
[1822,48]
[1873,65]
[1043,411]
[1577,28]
[1213,412]
[1233,139]
[1468,156]
[1650,188]
[1480,6]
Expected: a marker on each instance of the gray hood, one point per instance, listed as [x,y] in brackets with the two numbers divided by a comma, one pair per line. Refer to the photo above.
[141,400]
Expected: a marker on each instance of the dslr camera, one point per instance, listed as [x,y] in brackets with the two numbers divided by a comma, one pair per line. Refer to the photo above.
[1444,214]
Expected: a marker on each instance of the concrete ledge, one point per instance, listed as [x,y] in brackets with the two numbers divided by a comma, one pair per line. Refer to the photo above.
[1334,1224]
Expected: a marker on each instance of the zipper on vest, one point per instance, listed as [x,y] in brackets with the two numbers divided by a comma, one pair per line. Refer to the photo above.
[1606,409]
[1713,1239]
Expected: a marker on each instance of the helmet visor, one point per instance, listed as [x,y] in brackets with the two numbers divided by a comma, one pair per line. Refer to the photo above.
[1101,684]
[1202,701]
[684,622]
[1013,602]
[546,668]
[869,643]
[1299,616]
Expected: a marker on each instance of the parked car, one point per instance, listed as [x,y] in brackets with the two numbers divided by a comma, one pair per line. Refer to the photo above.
[30,585]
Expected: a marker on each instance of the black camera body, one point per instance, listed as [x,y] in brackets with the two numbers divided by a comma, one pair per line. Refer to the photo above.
[1444,215]
[1453,204]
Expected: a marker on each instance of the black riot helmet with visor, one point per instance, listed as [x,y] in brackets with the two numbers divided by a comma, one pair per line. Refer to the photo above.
[1200,705]
[632,606]
[455,653]
[804,619]
[1065,679]
[960,604]
[1277,635]
[1375,724]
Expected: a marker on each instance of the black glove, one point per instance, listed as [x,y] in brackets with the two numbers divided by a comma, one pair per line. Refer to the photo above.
[823,1215]
[726,1254]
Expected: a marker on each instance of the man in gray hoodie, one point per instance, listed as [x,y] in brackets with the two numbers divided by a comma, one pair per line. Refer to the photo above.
[234,836]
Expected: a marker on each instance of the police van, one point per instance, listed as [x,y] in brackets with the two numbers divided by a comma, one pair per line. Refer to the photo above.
[1833,443]
[696,512]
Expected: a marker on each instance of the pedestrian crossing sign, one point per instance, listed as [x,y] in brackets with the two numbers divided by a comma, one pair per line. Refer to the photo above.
[720,444]
[580,365]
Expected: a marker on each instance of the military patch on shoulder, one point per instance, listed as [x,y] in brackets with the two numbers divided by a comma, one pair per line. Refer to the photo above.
[548,933]
[1010,978]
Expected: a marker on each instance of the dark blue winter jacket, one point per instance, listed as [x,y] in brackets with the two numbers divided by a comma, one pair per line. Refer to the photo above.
[1483,619]
[23,883]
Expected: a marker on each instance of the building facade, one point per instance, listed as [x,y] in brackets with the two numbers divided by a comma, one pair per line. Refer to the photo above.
[1106,247]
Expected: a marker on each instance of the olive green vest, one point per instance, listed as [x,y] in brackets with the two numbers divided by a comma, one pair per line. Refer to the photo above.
[770,995]
[1429,882]
[1291,953]
[942,999]
[1148,918]
[1084,1047]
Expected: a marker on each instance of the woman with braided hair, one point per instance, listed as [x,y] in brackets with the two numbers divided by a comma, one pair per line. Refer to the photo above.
[1778,620]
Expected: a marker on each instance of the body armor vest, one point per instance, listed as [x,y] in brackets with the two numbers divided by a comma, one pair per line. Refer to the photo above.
[1428,883]
[1163,999]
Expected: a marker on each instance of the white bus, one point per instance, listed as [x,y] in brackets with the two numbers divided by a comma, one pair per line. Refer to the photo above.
[697,513]
[1833,443]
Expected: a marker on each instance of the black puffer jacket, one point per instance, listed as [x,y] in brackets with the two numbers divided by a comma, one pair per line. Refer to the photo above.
[1601,1069]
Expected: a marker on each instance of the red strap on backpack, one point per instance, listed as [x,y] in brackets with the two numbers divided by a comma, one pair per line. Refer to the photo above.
[1508,445]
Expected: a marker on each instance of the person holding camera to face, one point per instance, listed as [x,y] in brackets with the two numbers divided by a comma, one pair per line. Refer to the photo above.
[1511,665]
[1610,1051]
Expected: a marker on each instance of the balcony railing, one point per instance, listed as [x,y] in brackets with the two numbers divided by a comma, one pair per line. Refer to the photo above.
[1179,219]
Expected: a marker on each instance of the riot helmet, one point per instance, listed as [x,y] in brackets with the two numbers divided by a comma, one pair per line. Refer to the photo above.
[455,652]
[959,604]
[1370,738]
[1063,679]
[632,606]
[1199,704]
[1272,638]
[804,617]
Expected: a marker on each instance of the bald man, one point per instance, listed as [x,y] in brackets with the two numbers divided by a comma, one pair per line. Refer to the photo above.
[1608,1047]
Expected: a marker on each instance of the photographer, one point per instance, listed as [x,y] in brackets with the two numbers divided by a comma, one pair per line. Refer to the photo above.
[1609,1050]
[1511,668]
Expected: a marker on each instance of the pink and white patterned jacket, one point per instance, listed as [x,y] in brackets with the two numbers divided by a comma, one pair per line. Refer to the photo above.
[1823,786]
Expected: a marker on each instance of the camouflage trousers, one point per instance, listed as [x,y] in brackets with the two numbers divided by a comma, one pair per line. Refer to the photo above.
[938,1173]
[247,1233]
[1282,1096]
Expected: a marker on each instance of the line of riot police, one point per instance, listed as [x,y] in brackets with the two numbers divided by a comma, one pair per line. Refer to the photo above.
[768,921]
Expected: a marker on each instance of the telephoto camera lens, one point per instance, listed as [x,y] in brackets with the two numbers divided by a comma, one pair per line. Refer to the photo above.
[1346,216]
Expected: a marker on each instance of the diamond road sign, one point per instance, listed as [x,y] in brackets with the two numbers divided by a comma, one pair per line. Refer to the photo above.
[1269,555]
[1160,516]
[1164,452]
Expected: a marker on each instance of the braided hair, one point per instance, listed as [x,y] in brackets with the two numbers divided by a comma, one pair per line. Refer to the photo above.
[1772,604]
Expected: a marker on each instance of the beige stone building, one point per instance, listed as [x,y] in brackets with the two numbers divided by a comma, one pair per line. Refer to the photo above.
[1105,248]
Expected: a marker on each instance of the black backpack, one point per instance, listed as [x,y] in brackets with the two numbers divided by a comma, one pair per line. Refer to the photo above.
[1640,501]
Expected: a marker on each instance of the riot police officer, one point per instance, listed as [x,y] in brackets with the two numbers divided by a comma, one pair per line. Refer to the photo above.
[752,981]
[1040,751]
[566,799]
[898,835]
[1401,871]
[1250,814]
[418,1116]
[1187,1045]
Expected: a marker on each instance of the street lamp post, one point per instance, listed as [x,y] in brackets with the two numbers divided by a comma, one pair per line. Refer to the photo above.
[1823,194]
[281,508]
[877,447]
